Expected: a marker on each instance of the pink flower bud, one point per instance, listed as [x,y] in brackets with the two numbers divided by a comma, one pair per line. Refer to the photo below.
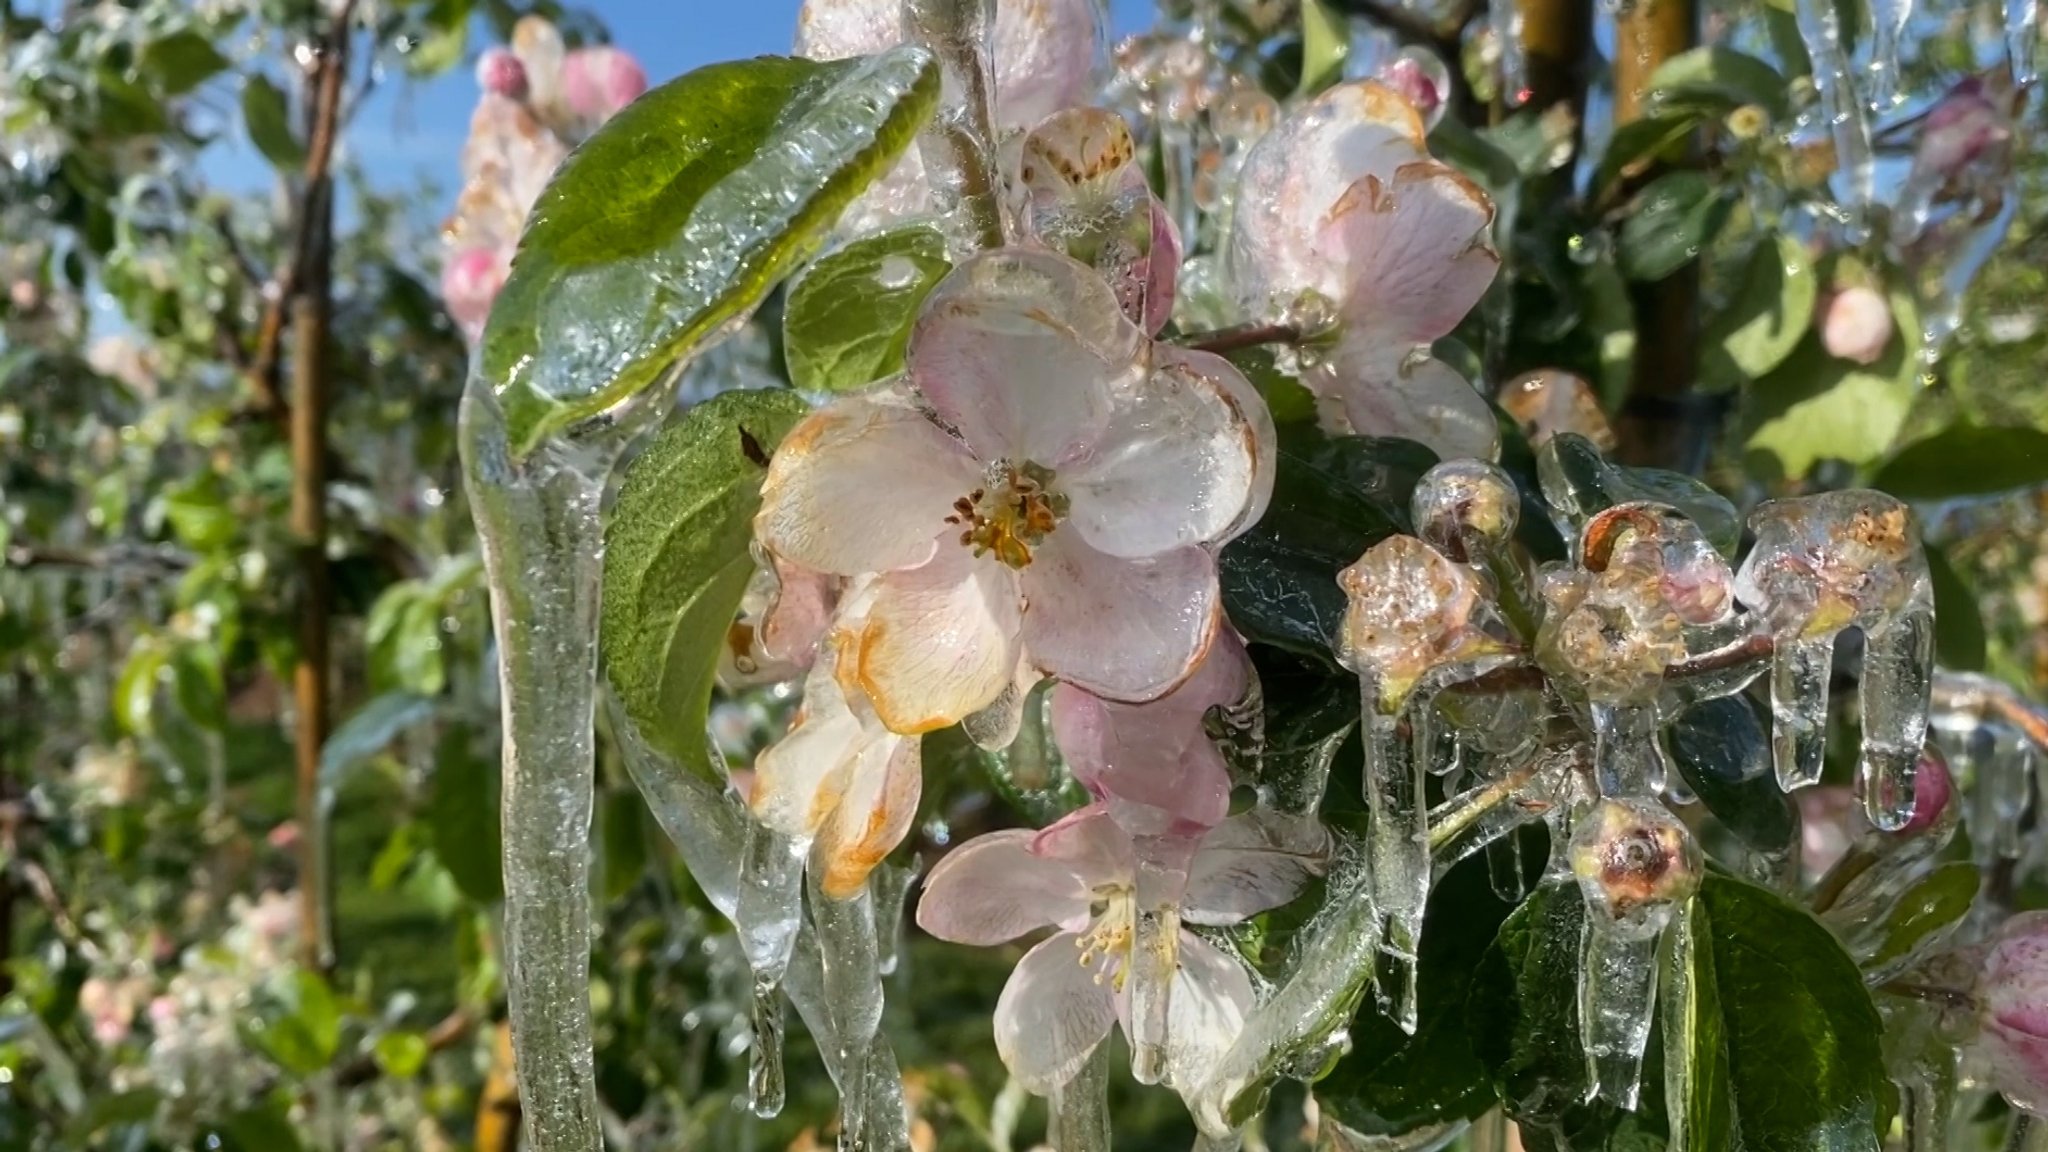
[1420,80]
[1962,125]
[499,72]
[597,82]
[1856,324]
[1933,789]
[2012,1012]
[470,283]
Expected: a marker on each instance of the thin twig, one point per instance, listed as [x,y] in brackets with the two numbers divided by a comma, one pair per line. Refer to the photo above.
[1222,340]
[1522,677]
[453,1029]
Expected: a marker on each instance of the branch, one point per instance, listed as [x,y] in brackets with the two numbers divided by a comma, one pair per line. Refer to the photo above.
[1522,677]
[1222,340]
[453,1029]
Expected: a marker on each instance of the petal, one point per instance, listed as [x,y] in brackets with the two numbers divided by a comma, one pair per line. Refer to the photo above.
[1212,995]
[799,611]
[1091,845]
[799,779]
[1052,1014]
[1045,58]
[879,804]
[1124,629]
[1259,860]
[1297,172]
[1416,251]
[994,888]
[1156,756]
[1179,462]
[1019,351]
[927,646]
[837,29]
[1421,399]
[862,486]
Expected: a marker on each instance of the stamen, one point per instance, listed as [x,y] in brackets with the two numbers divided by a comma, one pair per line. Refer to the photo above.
[1012,514]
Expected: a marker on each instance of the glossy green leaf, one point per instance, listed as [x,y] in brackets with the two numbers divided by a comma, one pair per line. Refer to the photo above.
[1689,1012]
[463,818]
[401,1054]
[1579,483]
[679,215]
[1815,407]
[847,320]
[369,731]
[1676,216]
[178,63]
[1930,906]
[1391,1082]
[404,636]
[677,559]
[266,116]
[1722,748]
[1768,316]
[1638,144]
[1720,79]
[1332,499]
[1959,640]
[1325,44]
[1966,460]
[622,833]
[260,1129]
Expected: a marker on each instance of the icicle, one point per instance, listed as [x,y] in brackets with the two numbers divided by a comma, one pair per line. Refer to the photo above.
[768,916]
[891,886]
[1800,667]
[1888,20]
[1848,121]
[1898,675]
[1504,17]
[1080,1108]
[1399,843]
[1680,1007]
[1617,996]
[543,547]
[1480,817]
[1505,868]
[852,982]
[1626,757]
[1227,1142]
[1154,957]
[2022,39]
[959,148]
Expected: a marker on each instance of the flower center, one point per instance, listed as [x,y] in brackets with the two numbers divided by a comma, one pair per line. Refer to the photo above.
[1013,512]
[1109,935]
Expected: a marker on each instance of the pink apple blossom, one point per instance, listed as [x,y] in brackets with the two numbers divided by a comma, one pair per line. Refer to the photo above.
[839,782]
[1856,324]
[1080,877]
[597,82]
[2012,1012]
[499,72]
[1420,79]
[1341,203]
[1044,488]
[470,281]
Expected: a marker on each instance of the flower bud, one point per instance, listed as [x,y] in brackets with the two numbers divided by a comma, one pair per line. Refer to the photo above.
[597,82]
[1856,324]
[470,283]
[500,72]
[1421,80]
[1748,122]
[2012,1012]
[1465,508]
[1633,856]
[1934,791]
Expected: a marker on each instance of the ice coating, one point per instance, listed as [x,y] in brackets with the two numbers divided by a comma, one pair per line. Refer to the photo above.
[1466,509]
[1084,193]
[1636,865]
[1823,564]
[2023,39]
[1341,204]
[1846,116]
[1416,621]
[1888,20]
[1504,22]
[1958,200]
[1080,1119]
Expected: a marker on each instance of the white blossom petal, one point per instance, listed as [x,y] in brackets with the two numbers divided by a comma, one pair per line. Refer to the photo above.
[799,779]
[1052,1013]
[862,486]
[873,814]
[1211,997]
[927,646]
[1416,251]
[1122,629]
[1019,351]
[994,888]
[1092,845]
[1419,398]
[1180,462]
[1252,862]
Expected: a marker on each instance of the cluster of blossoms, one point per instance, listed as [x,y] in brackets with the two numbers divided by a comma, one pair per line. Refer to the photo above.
[539,100]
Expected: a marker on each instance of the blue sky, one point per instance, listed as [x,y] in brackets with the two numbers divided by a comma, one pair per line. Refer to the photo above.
[412,131]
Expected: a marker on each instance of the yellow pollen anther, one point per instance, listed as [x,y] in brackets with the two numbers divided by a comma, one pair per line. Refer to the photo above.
[1109,936]
[1012,513]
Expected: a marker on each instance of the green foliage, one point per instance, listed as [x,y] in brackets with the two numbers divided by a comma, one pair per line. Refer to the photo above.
[1722,748]
[848,318]
[1718,79]
[1677,215]
[1966,460]
[679,215]
[1815,407]
[267,119]
[1766,317]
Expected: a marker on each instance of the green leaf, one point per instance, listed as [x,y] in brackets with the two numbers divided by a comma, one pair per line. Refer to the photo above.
[1689,1012]
[198,513]
[848,318]
[372,729]
[1390,1082]
[135,688]
[1676,216]
[1966,460]
[1325,43]
[402,1054]
[443,34]
[267,117]
[261,1129]
[462,817]
[1805,1060]
[1959,640]
[1580,484]
[403,634]
[181,61]
[622,830]
[305,1036]
[1723,750]
[1638,144]
[1935,903]
[679,215]
[1815,407]
[1720,79]
[1523,1015]
[1332,499]
[1767,318]
[677,560]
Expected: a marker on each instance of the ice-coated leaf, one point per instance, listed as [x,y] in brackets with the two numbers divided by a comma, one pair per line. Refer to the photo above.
[1766,319]
[1677,215]
[1933,903]
[679,215]
[1332,499]
[1718,78]
[1959,640]
[1966,460]
[1639,143]
[268,120]
[1581,484]
[1816,407]
[849,317]
[1723,750]
[677,560]
[1697,1099]
[1390,1082]
[462,817]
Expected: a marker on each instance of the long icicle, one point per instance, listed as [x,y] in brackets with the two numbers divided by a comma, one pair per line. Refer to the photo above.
[1898,678]
[1399,839]
[1800,668]
[1080,1107]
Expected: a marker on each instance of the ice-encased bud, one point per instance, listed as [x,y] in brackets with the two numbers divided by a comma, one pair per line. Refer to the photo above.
[1633,856]
[1421,79]
[1414,613]
[1466,509]
[1549,401]
[1856,325]
[1934,791]
[2012,1013]
[500,72]
[1083,193]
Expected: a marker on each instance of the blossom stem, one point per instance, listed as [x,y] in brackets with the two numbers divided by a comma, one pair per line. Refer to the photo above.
[1222,340]
[1931,993]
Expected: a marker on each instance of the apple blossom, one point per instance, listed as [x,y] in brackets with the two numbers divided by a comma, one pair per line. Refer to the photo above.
[1414,615]
[1044,488]
[500,72]
[2012,1012]
[1079,877]
[1341,202]
[597,82]
[1084,193]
